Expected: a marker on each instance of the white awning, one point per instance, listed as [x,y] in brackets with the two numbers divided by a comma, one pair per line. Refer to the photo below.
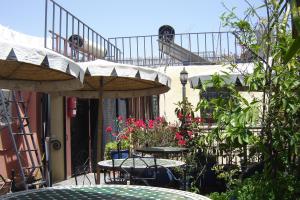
[25,67]
[120,81]
[235,76]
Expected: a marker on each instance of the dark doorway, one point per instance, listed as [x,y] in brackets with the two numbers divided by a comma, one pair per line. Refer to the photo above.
[80,134]
[84,133]
[94,127]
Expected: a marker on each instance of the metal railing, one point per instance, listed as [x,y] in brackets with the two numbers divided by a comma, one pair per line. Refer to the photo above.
[185,49]
[241,157]
[68,35]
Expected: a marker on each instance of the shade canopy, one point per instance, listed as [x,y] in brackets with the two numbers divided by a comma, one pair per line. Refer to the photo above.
[37,69]
[120,81]
[104,79]
[235,75]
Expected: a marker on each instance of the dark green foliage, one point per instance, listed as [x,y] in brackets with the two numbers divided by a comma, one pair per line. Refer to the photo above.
[258,187]
[276,77]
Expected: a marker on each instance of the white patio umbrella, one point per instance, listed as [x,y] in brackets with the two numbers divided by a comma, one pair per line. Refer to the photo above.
[119,81]
[104,79]
[37,69]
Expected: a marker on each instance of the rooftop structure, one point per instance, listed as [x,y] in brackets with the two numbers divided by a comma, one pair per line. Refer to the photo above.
[68,35]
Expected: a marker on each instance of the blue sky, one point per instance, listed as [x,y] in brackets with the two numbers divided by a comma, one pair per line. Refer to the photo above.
[113,18]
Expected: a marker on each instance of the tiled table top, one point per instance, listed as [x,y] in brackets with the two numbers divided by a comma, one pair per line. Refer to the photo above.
[105,192]
[139,163]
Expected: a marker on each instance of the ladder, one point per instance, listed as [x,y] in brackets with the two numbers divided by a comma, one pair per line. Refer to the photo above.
[15,119]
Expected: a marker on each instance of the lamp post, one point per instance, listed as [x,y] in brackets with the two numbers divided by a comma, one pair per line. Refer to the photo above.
[183,80]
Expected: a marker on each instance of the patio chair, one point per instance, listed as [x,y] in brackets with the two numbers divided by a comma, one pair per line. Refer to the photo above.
[114,176]
[164,177]
[140,175]
[81,174]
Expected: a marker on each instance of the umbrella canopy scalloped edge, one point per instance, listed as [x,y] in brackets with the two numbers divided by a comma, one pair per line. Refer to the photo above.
[152,82]
[37,69]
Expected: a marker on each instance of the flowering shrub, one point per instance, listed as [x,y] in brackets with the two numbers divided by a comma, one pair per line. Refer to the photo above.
[188,123]
[139,133]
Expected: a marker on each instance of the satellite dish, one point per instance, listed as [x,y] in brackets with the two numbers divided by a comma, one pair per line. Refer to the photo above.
[166,33]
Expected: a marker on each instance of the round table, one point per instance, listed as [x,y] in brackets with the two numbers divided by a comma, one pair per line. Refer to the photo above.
[139,163]
[105,192]
[136,163]
[165,151]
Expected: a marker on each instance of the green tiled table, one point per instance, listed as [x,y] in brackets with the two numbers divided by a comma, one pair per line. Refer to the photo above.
[139,164]
[105,192]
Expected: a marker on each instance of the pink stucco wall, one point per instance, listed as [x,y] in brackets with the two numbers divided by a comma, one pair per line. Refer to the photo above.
[8,160]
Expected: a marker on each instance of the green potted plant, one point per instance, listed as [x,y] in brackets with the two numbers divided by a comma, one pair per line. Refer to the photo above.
[119,148]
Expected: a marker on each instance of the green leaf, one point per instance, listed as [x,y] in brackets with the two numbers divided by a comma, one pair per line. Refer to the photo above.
[292,50]
[284,103]
[243,25]
[240,139]
[246,138]
[297,23]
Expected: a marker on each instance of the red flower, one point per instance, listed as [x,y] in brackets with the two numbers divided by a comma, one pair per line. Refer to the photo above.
[190,133]
[130,121]
[160,120]
[180,115]
[109,129]
[181,142]
[129,130]
[124,137]
[120,118]
[178,136]
[151,124]
[199,119]
[140,124]
[189,116]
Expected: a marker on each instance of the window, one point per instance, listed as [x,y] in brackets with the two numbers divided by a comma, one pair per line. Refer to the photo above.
[209,95]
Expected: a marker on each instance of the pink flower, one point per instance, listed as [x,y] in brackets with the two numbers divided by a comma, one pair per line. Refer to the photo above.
[180,115]
[114,134]
[124,137]
[129,130]
[198,120]
[130,121]
[178,136]
[109,129]
[140,124]
[189,116]
[160,120]
[120,118]
[190,133]
[181,142]
[151,124]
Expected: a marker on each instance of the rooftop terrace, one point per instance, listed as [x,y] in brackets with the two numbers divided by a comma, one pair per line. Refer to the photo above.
[68,35]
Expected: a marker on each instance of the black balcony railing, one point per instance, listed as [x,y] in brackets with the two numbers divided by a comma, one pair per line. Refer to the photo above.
[68,35]
[185,49]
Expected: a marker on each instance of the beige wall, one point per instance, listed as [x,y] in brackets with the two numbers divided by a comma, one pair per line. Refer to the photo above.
[168,100]
[57,132]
